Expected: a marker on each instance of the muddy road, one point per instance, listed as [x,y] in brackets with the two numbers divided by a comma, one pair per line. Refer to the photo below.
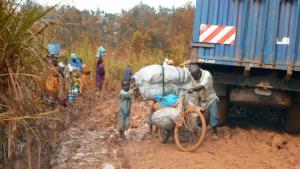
[91,142]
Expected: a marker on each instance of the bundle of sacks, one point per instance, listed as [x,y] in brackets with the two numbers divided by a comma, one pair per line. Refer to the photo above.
[164,79]
[161,83]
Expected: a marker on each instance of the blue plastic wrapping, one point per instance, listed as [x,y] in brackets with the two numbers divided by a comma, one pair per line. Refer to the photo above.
[54,49]
[167,101]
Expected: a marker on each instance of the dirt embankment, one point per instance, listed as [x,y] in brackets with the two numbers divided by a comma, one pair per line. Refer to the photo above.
[91,142]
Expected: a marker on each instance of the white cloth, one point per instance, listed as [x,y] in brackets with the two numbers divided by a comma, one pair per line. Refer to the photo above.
[208,94]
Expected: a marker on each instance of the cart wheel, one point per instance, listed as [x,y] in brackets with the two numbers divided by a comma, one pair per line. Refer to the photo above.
[190,130]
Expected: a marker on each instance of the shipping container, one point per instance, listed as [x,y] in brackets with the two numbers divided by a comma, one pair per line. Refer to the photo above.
[267,32]
[252,48]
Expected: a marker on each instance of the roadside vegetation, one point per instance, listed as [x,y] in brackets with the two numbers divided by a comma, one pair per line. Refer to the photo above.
[137,37]
[140,36]
[21,71]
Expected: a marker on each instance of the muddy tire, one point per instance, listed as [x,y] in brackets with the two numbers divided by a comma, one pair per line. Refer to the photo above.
[200,136]
[247,96]
[222,111]
[292,119]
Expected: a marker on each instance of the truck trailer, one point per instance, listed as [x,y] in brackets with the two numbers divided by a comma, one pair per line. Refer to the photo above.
[252,49]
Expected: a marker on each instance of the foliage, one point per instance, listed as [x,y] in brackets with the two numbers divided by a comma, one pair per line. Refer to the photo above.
[21,62]
[139,36]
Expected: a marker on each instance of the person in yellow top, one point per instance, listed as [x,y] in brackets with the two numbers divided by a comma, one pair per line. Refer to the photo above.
[54,84]
[52,81]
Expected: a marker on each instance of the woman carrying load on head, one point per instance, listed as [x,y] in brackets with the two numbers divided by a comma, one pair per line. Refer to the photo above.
[100,70]
[75,69]
[54,76]
[52,81]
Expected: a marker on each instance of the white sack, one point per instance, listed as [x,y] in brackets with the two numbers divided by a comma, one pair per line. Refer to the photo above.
[149,80]
[149,91]
[154,74]
[165,118]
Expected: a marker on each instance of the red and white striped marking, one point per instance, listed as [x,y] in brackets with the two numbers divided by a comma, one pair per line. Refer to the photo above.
[217,34]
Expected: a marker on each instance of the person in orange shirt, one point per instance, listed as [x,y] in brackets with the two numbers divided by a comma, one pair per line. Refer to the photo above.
[52,82]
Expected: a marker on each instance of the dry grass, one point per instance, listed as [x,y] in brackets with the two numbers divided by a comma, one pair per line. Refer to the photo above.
[116,60]
[21,63]
[22,66]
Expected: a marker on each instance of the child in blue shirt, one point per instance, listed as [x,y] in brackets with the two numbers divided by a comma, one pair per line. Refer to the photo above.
[125,106]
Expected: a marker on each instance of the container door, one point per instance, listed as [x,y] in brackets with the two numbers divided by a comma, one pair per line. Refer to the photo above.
[286,35]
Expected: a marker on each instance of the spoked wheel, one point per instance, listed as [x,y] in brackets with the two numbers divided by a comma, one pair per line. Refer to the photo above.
[190,130]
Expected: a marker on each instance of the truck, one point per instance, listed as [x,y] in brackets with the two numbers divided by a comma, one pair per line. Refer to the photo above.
[252,49]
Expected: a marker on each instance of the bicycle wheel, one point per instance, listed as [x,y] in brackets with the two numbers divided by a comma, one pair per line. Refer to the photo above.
[190,130]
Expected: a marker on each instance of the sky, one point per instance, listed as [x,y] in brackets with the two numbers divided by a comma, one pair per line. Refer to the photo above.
[115,6]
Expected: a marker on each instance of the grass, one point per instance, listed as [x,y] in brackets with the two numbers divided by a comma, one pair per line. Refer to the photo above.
[21,62]
[116,60]
[22,67]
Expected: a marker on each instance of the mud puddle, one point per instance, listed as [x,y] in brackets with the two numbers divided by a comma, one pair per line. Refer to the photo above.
[92,142]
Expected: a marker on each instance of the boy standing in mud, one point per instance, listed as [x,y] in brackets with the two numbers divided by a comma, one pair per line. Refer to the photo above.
[123,116]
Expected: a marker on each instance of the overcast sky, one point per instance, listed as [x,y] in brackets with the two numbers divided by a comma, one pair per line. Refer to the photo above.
[115,6]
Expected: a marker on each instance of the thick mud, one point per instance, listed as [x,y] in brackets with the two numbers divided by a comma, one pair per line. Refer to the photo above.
[91,142]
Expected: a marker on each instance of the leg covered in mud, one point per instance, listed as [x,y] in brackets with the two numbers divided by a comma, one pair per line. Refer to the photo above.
[167,134]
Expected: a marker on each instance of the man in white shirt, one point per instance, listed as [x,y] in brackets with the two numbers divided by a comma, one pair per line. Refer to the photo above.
[203,85]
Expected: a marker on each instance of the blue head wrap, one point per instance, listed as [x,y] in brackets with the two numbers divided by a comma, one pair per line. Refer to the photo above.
[101,52]
[73,56]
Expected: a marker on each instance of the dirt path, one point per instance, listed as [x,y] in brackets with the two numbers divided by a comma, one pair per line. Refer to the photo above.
[245,149]
[92,142]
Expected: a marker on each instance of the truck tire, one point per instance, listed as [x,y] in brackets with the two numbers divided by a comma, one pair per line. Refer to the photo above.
[247,96]
[222,110]
[292,119]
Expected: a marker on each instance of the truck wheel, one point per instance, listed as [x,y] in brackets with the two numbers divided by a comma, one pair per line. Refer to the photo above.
[247,96]
[292,119]
[222,110]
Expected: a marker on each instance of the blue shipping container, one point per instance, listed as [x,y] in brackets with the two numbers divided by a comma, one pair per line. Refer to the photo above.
[267,32]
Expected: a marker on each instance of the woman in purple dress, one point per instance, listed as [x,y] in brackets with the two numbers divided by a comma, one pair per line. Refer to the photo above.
[100,73]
